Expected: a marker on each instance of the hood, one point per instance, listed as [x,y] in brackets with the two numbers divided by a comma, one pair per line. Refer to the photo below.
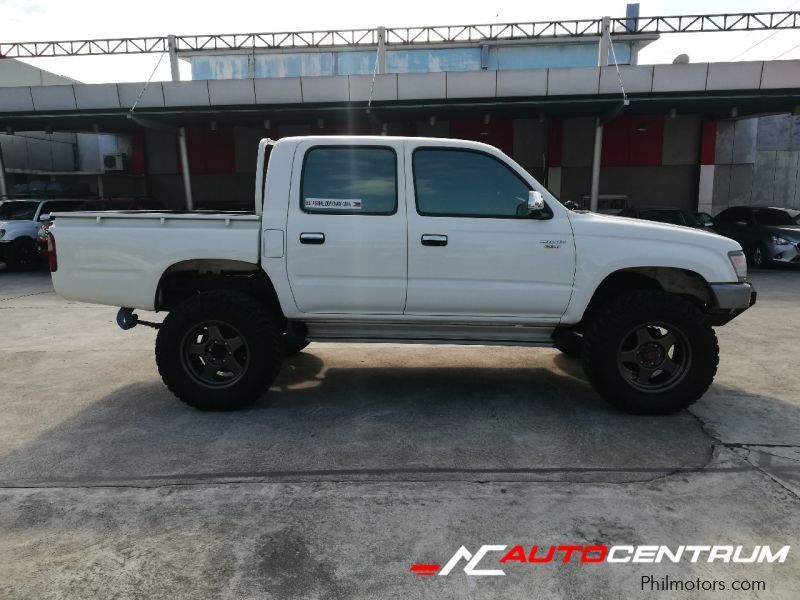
[587,223]
[15,228]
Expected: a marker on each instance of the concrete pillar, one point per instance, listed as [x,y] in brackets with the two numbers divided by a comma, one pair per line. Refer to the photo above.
[631,24]
[3,186]
[705,187]
[602,61]
[381,49]
[605,33]
[187,180]
[100,191]
[173,58]
[596,155]
[554,181]
[176,76]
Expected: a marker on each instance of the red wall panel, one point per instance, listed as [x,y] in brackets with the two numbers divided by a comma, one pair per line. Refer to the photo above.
[555,143]
[647,141]
[632,140]
[498,133]
[708,143]
[138,162]
[616,143]
[210,151]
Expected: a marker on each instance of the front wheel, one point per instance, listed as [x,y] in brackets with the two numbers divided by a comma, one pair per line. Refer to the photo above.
[650,352]
[218,350]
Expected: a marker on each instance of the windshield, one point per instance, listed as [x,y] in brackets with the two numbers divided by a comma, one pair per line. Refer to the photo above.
[773,217]
[692,220]
[18,210]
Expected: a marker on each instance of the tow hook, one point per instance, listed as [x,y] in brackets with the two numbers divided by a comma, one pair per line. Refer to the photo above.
[127,319]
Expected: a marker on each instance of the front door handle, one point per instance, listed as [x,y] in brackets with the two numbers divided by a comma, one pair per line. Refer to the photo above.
[312,238]
[434,239]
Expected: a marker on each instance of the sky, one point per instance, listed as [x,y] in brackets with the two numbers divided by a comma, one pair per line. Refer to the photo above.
[34,20]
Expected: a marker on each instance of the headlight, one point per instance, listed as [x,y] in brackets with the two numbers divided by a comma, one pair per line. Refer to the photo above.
[779,241]
[739,263]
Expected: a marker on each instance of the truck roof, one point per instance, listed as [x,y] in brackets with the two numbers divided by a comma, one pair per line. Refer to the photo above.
[383,139]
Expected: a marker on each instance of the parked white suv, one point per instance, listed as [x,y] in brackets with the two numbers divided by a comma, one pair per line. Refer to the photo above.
[391,239]
[20,223]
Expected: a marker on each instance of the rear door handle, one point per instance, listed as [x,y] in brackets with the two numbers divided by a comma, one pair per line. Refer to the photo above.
[312,238]
[434,239]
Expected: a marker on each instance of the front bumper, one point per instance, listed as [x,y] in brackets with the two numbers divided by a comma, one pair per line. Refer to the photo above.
[785,253]
[730,300]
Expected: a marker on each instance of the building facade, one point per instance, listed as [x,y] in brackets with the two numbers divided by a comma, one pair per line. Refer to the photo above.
[689,135]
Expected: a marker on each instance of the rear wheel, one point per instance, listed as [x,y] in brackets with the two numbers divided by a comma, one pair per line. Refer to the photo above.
[650,352]
[219,350]
[21,255]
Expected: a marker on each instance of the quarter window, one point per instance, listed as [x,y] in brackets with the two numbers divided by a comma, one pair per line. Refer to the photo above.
[349,180]
[462,183]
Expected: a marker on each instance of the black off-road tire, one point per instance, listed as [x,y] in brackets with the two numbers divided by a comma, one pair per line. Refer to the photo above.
[257,328]
[293,345]
[21,255]
[613,323]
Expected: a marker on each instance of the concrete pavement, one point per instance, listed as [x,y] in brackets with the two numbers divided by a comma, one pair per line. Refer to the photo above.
[365,459]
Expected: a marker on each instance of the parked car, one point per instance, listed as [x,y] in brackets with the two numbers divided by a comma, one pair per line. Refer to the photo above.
[20,223]
[792,212]
[767,235]
[706,219]
[419,240]
[673,216]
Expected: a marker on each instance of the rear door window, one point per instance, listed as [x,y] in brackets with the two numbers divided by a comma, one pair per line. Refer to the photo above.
[354,180]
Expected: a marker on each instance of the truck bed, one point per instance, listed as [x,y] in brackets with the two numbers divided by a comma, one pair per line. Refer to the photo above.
[130,249]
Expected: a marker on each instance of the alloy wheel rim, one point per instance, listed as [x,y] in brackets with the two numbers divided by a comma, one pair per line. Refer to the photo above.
[654,357]
[757,258]
[215,354]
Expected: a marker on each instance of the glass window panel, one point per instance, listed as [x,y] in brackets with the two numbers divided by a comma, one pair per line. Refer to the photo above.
[464,183]
[340,180]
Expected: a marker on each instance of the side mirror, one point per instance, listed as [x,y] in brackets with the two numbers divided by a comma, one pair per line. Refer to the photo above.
[44,217]
[535,202]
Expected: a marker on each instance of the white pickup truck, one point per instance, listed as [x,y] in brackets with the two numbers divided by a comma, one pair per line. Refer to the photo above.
[392,239]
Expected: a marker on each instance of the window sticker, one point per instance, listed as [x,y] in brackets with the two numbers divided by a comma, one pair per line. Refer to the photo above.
[332,204]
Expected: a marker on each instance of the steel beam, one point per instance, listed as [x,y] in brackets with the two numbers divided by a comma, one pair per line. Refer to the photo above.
[621,28]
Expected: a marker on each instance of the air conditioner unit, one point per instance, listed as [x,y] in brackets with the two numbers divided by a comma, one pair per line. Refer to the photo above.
[115,162]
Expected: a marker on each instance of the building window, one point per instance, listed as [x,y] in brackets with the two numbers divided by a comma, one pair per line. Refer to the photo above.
[349,180]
